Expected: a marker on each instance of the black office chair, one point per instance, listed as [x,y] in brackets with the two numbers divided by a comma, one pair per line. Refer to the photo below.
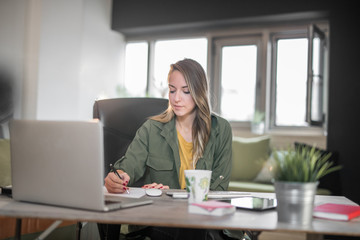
[121,118]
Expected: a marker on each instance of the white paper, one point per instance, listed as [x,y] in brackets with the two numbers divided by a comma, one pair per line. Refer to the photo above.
[133,193]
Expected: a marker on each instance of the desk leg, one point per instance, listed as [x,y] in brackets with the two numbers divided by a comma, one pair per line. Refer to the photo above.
[18,229]
[255,235]
[49,230]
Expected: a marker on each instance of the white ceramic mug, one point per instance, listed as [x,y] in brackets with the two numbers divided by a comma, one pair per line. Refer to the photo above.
[197,184]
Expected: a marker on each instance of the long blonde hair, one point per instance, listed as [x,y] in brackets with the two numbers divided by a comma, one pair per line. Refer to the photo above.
[197,83]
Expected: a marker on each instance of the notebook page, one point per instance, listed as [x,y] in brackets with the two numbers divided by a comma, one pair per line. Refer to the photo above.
[133,193]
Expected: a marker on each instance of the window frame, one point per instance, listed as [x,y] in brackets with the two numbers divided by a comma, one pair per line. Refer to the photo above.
[217,44]
[265,78]
[314,31]
[272,110]
[314,127]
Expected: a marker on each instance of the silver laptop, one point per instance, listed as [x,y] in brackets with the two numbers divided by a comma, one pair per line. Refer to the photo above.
[61,163]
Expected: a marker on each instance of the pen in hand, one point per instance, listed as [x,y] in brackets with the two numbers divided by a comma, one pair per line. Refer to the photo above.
[114,170]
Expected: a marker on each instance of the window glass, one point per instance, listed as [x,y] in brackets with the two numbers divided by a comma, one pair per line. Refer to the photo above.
[238,82]
[171,51]
[291,78]
[136,67]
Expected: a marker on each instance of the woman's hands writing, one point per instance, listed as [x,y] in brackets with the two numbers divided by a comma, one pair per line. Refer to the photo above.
[116,185]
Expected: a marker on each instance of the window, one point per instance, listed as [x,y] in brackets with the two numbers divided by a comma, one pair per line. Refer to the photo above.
[317,69]
[236,80]
[167,52]
[136,67]
[145,77]
[290,81]
[275,75]
[298,66]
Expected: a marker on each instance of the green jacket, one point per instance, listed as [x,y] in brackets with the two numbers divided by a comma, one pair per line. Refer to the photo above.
[154,154]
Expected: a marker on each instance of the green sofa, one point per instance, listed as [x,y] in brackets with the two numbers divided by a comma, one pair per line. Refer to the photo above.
[5,170]
[252,165]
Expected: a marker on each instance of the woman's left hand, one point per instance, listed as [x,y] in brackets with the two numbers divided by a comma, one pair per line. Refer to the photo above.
[156,185]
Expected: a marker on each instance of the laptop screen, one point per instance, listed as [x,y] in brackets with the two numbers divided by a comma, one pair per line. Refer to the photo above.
[58,162]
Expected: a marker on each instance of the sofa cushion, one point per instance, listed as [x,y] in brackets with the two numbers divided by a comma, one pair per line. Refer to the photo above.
[262,187]
[250,187]
[249,155]
[5,170]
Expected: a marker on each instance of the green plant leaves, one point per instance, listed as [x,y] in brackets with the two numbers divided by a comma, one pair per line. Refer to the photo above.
[304,164]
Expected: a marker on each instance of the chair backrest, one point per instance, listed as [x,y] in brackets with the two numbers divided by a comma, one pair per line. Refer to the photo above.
[121,118]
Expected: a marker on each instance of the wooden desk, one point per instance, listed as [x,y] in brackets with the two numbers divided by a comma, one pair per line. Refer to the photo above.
[166,211]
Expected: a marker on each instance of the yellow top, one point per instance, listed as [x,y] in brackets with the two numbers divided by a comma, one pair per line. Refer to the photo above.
[185,152]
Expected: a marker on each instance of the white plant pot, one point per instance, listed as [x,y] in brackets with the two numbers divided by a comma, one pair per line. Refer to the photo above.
[295,201]
[258,128]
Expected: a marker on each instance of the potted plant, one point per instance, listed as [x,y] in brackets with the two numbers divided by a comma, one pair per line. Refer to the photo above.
[297,174]
[257,123]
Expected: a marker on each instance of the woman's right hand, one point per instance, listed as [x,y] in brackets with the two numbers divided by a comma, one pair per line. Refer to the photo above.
[116,185]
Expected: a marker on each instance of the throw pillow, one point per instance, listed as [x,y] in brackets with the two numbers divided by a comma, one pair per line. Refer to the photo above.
[249,155]
[266,174]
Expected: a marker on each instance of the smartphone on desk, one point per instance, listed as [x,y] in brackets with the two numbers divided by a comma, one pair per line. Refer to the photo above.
[177,194]
[253,203]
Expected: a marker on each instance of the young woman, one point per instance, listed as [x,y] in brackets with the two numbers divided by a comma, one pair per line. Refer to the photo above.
[185,136]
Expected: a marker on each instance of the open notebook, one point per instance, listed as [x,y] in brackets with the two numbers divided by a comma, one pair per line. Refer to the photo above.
[61,163]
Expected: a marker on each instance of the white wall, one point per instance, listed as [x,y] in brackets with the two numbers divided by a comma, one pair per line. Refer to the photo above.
[79,58]
[102,56]
[63,55]
[59,59]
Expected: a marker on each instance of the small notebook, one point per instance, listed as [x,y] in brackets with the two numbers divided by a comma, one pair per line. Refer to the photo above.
[215,208]
[343,212]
